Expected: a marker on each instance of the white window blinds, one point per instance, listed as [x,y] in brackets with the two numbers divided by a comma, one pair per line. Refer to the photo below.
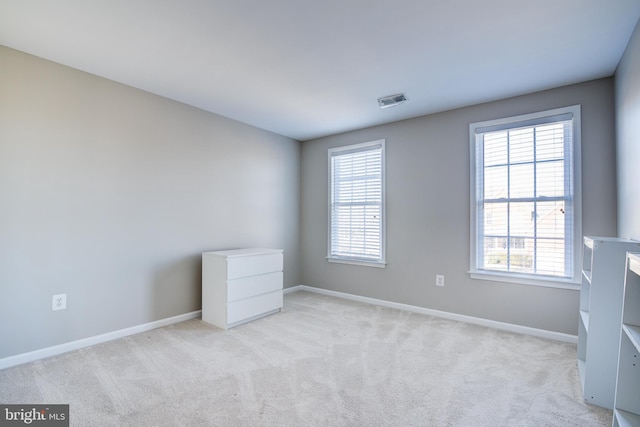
[525,205]
[356,199]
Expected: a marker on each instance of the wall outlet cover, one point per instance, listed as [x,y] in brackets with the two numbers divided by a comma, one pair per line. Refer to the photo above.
[59,302]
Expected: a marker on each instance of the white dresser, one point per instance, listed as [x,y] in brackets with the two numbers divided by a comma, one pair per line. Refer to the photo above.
[241,285]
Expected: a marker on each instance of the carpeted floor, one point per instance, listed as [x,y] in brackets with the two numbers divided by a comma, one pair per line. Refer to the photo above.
[323,361]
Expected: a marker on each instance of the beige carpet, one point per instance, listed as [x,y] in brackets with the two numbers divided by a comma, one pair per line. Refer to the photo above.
[321,362]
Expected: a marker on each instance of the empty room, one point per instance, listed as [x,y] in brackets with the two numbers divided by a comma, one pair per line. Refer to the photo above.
[329,213]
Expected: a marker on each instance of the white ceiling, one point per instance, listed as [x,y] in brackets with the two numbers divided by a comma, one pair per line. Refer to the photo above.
[306,69]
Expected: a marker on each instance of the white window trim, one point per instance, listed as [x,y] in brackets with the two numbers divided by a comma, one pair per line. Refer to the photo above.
[354,261]
[530,279]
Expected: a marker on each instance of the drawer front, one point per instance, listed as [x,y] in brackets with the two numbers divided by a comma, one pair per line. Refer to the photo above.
[254,285]
[251,265]
[254,306]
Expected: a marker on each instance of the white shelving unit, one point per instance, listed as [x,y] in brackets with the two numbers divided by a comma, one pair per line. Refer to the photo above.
[603,270]
[627,398]
[241,285]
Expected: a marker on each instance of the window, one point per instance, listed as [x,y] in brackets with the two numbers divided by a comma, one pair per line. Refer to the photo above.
[525,198]
[356,204]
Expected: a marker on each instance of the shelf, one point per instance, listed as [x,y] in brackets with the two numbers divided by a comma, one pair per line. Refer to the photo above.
[588,242]
[584,315]
[587,275]
[626,419]
[633,332]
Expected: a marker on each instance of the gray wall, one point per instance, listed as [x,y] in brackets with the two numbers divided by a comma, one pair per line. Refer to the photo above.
[110,194]
[428,211]
[628,138]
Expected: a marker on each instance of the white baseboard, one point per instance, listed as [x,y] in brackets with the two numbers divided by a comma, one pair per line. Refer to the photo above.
[31,356]
[542,333]
[294,289]
[19,359]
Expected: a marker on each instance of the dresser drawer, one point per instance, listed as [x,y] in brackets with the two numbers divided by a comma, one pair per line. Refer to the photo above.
[243,266]
[254,285]
[254,306]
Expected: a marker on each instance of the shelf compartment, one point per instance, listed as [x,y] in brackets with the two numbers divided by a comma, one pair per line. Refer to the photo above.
[633,333]
[584,316]
[585,292]
[582,351]
[628,385]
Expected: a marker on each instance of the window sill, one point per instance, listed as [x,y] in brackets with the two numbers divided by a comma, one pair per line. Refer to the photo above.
[377,264]
[548,282]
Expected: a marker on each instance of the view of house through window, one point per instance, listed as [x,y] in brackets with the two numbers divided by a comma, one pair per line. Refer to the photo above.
[525,206]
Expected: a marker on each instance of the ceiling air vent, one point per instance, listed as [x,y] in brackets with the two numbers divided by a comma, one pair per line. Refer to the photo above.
[391,100]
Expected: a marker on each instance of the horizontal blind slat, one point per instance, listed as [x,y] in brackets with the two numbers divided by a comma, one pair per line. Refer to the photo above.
[356,203]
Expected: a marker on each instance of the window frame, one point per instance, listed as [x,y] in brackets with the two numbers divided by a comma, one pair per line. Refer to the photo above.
[530,119]
[365,146]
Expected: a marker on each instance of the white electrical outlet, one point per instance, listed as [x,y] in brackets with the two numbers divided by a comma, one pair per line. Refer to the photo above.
[439,280]
[59,302]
